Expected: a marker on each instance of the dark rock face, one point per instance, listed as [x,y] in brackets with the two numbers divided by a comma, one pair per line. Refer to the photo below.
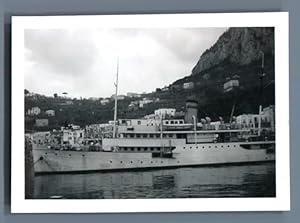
[239,46]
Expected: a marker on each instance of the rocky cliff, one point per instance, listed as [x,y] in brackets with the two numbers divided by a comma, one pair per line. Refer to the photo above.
[239,46]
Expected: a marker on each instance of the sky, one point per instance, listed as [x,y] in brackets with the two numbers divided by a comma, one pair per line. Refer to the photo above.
[83,62]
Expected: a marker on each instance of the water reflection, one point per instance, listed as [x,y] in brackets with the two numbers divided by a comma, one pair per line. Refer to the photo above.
[226,181]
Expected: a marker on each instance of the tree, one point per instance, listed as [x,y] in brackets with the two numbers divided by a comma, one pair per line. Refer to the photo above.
[26,91]
[55,95]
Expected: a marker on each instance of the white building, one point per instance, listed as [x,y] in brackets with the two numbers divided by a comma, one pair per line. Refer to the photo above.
[34,111]
[165,88]
[133,95]
[188,85]
[41,122]
[164,112]
[251,120]
[40,138]
[99,131]
[93,98]
[73,137]
[104,101]
[119,97]
[50,112]
[144,102]
[229,85]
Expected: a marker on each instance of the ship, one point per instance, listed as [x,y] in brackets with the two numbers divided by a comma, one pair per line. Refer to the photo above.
[139,144]
[149,148]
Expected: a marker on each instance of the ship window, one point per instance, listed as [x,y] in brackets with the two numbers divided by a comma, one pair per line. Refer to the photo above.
[209,147]
[151,161]
[215,146]
[141,161]
[170,135]
[181,122]
[110,161]
[70,155]
[145,135]
[138,122]
[121,161]
[190,147]
[125,149]
[139,149]
[234,146]
[83,155]
[138,135]
[167,122]
[151,135]
[202,147]
[183,147]
[130,161]
[172,122]
[132,149]
[151,149]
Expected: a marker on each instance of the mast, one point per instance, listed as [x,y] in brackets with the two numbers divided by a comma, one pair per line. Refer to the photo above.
[116,101]
[261,90]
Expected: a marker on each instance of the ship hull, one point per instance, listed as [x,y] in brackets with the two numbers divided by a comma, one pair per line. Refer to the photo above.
[56,161]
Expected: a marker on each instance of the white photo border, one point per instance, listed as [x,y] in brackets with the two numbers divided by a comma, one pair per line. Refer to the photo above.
[281,202]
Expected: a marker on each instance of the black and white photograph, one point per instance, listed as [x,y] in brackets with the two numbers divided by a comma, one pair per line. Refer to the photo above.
[150,113]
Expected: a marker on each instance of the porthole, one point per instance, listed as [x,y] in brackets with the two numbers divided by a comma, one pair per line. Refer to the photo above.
[202,147]
[216,147]
[162,162]
[191,147]
[130,161]
[55,154]
[70,155]
[110,161]
[141,161]
[46,153]
[121,161]
[83,155]
[209,147]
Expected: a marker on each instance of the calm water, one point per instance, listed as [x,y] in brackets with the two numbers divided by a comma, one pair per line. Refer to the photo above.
[226,181]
